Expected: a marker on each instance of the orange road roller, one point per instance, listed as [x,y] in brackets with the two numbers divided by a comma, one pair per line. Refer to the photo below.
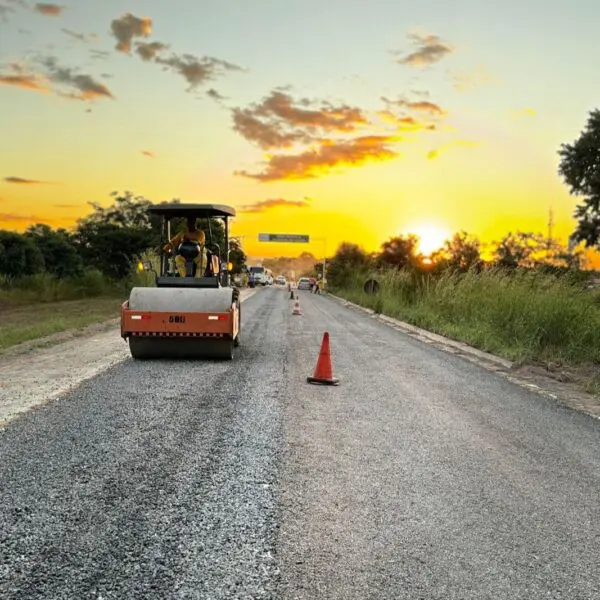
[193,311]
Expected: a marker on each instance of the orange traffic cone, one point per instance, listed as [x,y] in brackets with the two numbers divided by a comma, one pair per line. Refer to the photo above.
[323,373]
[297,310]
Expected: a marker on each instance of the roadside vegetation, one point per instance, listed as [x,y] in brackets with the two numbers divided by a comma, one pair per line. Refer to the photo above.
[525,297]
[52,280]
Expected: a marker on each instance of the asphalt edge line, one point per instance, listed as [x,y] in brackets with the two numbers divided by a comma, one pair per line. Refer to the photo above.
[489,362]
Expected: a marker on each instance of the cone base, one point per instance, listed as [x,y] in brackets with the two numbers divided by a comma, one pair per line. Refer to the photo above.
[319,381]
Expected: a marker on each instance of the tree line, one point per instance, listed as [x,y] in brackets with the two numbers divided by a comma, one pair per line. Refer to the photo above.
[580,169]
[110,240]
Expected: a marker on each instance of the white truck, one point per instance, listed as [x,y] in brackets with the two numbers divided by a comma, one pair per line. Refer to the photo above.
[259,275]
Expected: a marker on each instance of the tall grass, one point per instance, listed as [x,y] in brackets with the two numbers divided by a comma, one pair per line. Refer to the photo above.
[521,316]
[43,288]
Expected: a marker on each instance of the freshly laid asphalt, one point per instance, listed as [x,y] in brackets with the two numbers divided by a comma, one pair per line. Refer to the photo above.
[421,476]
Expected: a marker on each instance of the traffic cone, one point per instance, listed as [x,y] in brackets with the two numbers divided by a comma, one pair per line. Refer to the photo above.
[291,294]
[323,373]
[297,310]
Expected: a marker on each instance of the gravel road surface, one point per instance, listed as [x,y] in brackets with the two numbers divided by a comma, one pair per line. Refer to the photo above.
[421,476]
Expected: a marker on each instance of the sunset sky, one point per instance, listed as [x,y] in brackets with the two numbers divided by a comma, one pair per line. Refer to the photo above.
[338,119]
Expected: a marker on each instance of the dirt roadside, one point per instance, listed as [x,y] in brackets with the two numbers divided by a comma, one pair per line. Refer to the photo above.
[36,372]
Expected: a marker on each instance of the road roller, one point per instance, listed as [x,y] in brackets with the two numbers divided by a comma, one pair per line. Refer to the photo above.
[194,310]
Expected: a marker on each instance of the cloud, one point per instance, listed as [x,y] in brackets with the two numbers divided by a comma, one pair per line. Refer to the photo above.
[8,8]
[49,10]
[215,95]
[196,71]
[430,49]
[148,51]
[405,123]
[128,27]
[264,205]
[419,106]
[4,12]
[431,155]
[147,153]
[22,181]
[82,37]
[85,86]
[469,80]
[26,219]
[329,155]
[82,86]
[279,121]
[99,54]
[26,81]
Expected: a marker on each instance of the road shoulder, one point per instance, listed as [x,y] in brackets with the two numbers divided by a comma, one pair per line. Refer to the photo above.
[36,372]
[562,386]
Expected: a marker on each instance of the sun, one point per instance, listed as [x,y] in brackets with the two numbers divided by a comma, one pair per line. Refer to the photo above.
[431,237]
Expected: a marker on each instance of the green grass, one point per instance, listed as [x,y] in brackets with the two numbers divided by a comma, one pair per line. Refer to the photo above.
[23,323]
[524,316]
[40,305]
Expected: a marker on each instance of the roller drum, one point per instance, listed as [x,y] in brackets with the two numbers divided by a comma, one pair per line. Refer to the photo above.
[180,300]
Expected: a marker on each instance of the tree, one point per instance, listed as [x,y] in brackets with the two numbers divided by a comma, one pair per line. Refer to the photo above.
[522,249]
[399,252]
[19,256]
[348,259]
[237,257]
[580,169]
[110,239]
[58,248]
[460,253]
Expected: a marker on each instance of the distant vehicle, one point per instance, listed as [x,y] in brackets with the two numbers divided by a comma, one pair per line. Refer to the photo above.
[259,275]
[280,280]
[304,283]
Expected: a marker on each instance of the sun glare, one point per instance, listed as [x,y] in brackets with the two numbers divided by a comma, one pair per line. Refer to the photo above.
[431,237]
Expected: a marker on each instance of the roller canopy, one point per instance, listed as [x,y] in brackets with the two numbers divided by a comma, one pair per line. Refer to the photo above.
[198,211]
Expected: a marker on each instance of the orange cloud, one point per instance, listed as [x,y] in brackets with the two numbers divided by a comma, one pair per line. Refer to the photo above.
[279,121]
[422,106]
[430,49]
[28,82]
[322,160]
[49,10]
[147,153]
[128,27]
[405,123]
[264,205]
[22,181]
[24,219]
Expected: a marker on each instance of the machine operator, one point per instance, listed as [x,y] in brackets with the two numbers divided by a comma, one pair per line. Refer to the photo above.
[194,248]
